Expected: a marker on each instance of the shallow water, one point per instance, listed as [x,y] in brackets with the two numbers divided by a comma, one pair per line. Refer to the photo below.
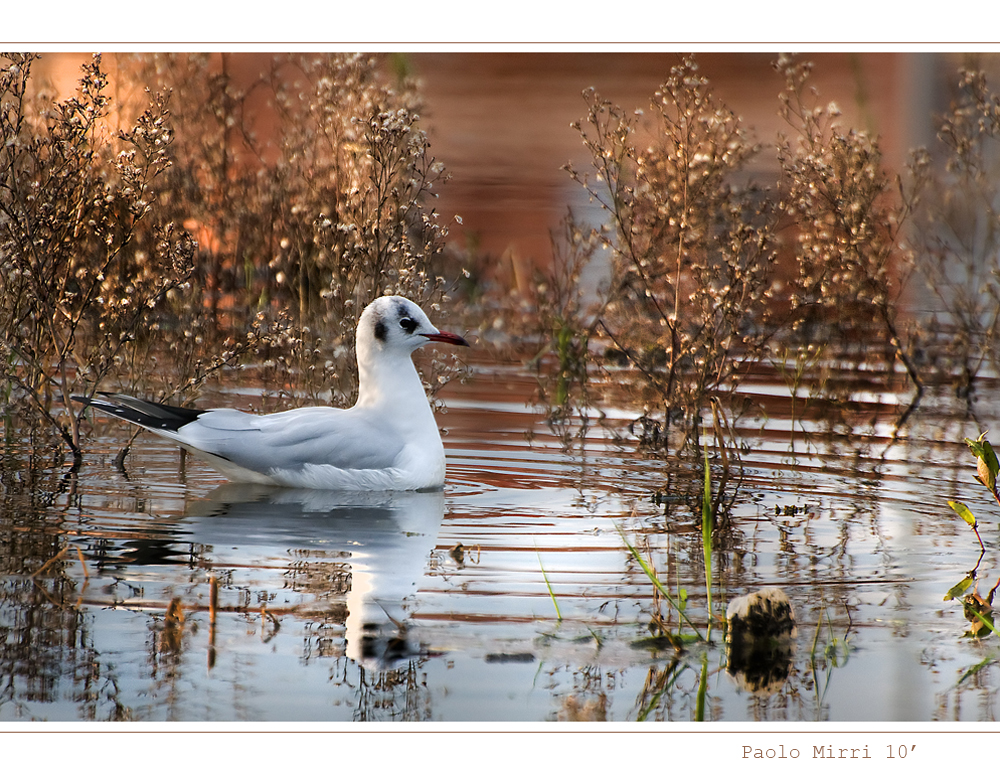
[437,606]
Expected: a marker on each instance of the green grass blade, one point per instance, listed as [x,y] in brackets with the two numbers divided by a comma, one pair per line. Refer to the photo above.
[657,584]
[985,622]
[548,586]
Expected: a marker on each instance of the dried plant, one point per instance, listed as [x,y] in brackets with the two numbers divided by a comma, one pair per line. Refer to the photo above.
[324,208]
[181,245]
[564,326]
[692,247]
[847,215]
[704,284]
[956,237]
[75,291]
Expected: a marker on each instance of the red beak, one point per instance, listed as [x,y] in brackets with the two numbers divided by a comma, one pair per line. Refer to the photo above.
[447,336]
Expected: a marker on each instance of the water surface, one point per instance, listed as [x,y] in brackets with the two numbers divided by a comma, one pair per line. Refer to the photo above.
[443,606]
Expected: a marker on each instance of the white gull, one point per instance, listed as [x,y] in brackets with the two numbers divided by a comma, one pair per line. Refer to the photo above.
[388,440]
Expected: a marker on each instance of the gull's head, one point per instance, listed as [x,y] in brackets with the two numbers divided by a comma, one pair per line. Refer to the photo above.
[394,324]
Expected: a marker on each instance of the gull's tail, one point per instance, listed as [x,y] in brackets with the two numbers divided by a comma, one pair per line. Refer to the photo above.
[148,414]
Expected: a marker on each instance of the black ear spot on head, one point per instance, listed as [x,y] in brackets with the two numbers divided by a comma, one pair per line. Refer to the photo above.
[380,331]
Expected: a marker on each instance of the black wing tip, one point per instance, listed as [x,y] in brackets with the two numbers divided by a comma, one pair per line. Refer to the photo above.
[148,414]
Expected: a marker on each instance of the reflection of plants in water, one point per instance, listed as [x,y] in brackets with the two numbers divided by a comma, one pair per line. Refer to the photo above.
[321,574]
[794,363]
[680,688]
[587,701]
[168,643]
[45,643]
[827,655]
[46,640]
[393,695]
[661,684]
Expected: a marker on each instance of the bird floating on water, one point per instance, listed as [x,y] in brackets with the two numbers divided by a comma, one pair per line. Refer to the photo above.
[388,440]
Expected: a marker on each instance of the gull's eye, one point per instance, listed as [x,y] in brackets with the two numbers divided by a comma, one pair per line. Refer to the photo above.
[408,324]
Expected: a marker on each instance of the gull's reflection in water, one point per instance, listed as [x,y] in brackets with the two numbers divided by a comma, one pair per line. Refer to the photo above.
[385,537]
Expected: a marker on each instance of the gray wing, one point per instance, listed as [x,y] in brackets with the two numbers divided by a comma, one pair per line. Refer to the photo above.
[288,440]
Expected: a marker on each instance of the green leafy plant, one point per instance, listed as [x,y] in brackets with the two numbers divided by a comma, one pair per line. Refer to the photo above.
[987,468]
[966,514]
[978,610]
